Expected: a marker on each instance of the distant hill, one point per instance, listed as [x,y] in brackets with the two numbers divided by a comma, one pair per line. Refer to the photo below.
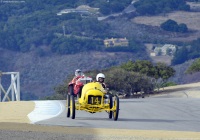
[41,69]
[39,75]
[191,19]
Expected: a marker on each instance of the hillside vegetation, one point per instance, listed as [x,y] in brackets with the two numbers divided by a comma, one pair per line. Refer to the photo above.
[46,48]
[128,79]
[31,24]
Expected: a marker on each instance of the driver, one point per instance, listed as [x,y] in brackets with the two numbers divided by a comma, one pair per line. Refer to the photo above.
[76,88]
[100,78]
[78,74]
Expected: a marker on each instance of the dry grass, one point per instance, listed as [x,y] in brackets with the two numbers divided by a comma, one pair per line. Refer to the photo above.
[192,19]
[186,90]
[164,59]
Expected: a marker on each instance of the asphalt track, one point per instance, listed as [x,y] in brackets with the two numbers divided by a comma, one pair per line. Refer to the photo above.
[175,115]
[171,114]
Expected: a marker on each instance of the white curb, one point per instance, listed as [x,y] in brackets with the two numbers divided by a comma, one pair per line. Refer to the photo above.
[45,110]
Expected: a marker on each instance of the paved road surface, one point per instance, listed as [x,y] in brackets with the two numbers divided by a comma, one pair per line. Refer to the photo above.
[173,115]
[177,114]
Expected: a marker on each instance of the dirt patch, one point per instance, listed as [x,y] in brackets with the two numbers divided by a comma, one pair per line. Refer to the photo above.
[39,132]
[16,111]
[192,19]
[182,91]
[194,6]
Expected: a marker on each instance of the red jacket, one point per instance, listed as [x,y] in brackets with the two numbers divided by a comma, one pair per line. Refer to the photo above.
[77,85]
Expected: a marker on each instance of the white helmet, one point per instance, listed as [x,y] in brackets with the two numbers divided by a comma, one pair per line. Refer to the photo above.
[78,72]
[100,75]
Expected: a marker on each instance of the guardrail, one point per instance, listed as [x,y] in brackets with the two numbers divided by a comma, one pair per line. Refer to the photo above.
[14,88]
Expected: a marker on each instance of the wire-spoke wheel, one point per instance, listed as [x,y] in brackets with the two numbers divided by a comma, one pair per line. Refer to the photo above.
[72,106]
[110,113]
[116,106]
[68,105]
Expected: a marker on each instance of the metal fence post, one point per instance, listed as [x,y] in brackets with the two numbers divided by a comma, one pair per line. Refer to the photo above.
[14,88]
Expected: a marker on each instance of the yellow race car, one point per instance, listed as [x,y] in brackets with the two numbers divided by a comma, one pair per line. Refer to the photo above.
[92,98]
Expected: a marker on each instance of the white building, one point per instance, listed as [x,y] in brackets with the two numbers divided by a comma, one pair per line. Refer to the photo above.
[84,9]
[165,50]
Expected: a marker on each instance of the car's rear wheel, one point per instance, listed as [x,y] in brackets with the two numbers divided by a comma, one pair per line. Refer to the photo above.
[116,106]
[110,113]
[68,105]
[72,106]
[70,92]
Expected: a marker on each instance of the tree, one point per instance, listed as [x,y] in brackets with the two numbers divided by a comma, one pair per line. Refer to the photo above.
[105,9]
[182,28]
[117,7]
[146,9]
[187,52]
[169,25]
[130,77]
[194,67]
[169,51]
[127,82]
[159,52]
[160,6]
[181,55]
[159,73]
[162,73]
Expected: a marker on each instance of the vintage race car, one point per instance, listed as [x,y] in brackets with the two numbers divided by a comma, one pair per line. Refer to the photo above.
[92,98]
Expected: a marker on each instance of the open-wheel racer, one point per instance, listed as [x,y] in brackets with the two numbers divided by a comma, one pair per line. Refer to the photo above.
[90,96]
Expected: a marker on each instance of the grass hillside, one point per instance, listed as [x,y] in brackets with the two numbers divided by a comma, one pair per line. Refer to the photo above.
[39,75]
[191,19]
[180,91]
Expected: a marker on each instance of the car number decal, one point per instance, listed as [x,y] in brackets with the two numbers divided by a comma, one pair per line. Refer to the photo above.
[94,100]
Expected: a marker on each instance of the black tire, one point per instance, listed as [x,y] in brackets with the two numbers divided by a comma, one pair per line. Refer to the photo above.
[68,105]
[116,105]
[72,106]
[80,91]
[71,90]
[110,113]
